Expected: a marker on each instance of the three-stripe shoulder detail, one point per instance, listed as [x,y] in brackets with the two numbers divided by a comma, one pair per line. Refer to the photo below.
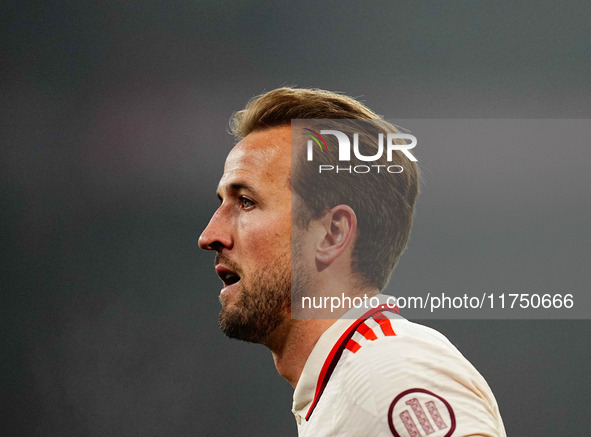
[384,325]
[346,342]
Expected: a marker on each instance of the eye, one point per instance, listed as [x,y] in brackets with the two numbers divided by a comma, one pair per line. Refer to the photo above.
[246,203]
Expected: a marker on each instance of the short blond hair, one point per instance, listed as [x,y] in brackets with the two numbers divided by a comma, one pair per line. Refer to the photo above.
[280,106]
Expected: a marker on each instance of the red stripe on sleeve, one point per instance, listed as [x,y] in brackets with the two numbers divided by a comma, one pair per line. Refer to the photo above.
[367,332]
[353,346]
[384,324]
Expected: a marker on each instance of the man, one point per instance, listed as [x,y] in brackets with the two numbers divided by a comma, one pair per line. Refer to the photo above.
[288,229]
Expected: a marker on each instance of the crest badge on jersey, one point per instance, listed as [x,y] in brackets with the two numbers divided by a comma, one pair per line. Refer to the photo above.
[420,413]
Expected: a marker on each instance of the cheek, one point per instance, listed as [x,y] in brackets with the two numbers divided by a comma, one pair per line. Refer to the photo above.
[256,238]
[262,234]
[267,243]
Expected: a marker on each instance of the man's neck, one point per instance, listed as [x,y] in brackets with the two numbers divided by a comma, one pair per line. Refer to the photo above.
[292,343]
[293,340]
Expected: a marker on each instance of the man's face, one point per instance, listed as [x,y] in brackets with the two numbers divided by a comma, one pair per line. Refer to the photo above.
[250,232]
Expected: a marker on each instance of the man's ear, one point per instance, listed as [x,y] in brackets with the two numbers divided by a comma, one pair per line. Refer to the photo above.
[340,227]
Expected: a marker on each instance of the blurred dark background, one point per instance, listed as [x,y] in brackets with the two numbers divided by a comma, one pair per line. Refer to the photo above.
[113,135]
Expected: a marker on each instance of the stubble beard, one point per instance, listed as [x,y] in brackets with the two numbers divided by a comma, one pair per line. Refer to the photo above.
[264,303]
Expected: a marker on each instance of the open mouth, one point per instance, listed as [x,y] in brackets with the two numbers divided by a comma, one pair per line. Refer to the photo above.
[227,276]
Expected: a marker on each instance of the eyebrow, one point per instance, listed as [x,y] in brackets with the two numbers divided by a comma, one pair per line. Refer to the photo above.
[236,187]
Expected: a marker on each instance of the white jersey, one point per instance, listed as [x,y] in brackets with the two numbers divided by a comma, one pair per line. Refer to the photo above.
[381,375]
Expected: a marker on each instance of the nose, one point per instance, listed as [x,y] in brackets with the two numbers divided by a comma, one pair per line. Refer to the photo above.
[217,235]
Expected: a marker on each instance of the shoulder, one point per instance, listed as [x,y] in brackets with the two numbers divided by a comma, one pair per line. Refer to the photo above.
[413,376]
[388,376]
[392,351]
[389,338]
[400,355]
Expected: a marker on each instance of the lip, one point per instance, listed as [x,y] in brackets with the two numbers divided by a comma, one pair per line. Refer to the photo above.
[228,277]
